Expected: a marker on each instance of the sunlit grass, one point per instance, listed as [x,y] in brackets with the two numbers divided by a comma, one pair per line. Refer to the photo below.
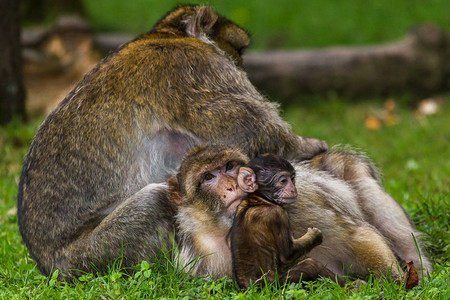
[413,155]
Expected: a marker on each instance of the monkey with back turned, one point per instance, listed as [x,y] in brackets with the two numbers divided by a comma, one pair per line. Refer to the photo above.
[261,240]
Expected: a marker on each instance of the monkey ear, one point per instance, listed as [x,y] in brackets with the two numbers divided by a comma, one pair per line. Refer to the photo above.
[247,180]
[174,190]
[203,21]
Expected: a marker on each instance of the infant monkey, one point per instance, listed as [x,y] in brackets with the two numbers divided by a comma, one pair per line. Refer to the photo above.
[261,239]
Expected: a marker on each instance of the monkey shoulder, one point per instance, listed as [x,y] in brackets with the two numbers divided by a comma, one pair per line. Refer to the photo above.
[257,204]
[157,47]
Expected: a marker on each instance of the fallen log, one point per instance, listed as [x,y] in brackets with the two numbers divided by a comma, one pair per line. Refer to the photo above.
[420,63]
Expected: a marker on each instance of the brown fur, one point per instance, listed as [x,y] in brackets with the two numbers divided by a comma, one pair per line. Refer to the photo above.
[386,234]
[355,240]
[261,239]
[87,190]
[262,246]
[202,220]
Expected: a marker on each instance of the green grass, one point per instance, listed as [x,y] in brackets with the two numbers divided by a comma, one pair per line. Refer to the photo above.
[288,23]
[413,156]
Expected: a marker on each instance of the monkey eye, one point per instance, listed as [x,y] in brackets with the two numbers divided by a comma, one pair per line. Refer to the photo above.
[293,178]
[283,180]
[230,165]
[208,176]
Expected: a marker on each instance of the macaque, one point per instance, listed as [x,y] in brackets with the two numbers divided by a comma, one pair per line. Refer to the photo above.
[334,192]
[93,182]
[207,195]
[262,243]
[364,228]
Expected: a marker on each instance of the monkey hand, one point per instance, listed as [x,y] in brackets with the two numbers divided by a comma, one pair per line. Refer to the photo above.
[315,235]
[310,147]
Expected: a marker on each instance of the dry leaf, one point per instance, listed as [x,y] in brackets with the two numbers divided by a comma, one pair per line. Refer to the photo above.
[372,123]
[13,168]
[383,117]
[411,278]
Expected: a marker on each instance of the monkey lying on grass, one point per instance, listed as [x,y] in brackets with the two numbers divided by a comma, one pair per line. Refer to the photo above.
[337,192]
[262,242]
[207,194]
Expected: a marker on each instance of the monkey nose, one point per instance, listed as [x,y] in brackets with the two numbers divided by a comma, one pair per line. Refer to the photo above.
[232,188]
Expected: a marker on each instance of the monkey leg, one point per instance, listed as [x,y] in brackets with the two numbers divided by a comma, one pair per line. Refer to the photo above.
[378,207]
[309,270]
[371,252]
[390,219]
[135,230]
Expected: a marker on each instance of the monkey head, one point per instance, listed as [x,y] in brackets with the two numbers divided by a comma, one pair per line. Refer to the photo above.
[204,23]
[207,179]
[270,177]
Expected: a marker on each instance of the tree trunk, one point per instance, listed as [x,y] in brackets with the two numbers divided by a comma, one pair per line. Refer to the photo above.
[12,96]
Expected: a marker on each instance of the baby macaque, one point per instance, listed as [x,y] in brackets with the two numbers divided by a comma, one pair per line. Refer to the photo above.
[262,243]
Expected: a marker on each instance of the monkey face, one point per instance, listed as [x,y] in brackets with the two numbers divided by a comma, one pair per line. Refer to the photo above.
[222,182]
[284,187]
[207,180]
[270,177]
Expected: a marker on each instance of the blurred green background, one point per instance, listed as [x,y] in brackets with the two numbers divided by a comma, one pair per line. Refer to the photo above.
[273,24]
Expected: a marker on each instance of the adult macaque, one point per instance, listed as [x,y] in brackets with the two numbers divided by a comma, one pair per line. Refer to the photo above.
[262,244]
[363,227]
[335,193]
[89,187]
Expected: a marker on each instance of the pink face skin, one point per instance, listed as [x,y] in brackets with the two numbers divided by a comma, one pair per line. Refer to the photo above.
[286,185]
[281,188]
[223,181]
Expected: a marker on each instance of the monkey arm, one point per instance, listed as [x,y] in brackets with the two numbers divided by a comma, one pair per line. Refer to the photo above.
[312,146]
[295,248]
[139,228]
